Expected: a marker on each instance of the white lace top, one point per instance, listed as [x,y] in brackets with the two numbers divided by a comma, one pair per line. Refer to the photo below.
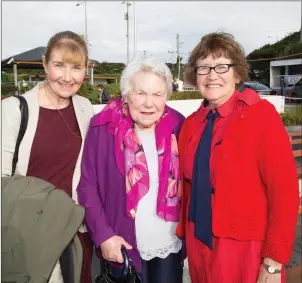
[155,236]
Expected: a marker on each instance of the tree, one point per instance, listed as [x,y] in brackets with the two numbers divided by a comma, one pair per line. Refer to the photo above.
[260,70]
[109,68]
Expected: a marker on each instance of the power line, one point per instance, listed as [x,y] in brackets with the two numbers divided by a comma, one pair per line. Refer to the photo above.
[272,58]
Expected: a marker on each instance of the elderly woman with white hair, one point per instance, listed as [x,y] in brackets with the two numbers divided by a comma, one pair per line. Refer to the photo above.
[130,183]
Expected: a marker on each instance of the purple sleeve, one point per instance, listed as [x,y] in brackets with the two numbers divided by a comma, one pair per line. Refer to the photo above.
[88,191]
[180,119]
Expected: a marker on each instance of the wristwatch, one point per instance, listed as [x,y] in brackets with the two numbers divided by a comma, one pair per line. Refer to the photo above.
[270,269]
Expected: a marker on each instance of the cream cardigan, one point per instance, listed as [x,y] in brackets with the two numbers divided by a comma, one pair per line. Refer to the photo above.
[11,118]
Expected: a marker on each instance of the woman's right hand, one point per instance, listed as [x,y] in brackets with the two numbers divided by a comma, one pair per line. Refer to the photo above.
[111,249]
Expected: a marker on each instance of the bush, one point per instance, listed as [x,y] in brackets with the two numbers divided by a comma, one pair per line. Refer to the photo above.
[27,88]
[114,89]
[184,95]
[7,89]
[292,116]
[90,92]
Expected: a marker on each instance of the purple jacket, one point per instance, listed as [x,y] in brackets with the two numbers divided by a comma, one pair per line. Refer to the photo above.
[102,189]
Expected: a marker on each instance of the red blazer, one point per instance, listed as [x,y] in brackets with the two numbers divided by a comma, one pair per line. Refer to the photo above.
[256,193]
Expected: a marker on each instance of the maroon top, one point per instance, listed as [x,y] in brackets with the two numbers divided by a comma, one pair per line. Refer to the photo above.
[55,149]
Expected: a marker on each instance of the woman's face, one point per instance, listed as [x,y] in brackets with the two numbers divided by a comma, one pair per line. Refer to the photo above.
[214,87]
[64,78]
[147,99]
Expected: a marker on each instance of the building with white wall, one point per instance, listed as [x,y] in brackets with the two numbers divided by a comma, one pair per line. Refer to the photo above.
[280,68]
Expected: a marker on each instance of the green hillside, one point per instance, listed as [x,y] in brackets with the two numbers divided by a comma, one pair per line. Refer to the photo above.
[289,45]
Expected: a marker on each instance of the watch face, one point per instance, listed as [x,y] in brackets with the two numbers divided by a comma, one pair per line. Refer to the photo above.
[271,269]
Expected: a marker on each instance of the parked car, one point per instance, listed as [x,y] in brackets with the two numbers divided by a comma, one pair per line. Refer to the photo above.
[261,89]
[293,86]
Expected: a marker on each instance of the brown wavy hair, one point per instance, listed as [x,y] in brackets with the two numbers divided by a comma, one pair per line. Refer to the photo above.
[217,44]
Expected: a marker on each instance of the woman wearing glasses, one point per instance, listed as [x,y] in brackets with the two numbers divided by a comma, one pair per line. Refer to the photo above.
[240,188]
[130,182]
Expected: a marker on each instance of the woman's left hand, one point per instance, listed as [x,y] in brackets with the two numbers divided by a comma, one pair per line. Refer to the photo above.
[265,277]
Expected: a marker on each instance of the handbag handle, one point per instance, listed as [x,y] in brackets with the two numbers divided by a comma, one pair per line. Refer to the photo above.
[128,274]
[126,261]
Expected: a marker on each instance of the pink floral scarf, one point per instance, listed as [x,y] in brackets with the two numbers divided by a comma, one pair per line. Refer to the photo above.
[132,163]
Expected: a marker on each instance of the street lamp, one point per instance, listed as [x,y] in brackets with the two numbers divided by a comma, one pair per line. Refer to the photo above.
[127,35]
[134,31]
[86,34]
[86,38]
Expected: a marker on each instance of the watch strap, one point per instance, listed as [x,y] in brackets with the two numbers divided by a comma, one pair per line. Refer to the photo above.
[270,269]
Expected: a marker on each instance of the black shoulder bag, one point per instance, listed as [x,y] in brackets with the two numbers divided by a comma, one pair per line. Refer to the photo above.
[129,274]
[23,125]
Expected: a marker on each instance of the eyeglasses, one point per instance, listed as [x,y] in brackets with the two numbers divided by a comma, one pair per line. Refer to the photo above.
[219,69]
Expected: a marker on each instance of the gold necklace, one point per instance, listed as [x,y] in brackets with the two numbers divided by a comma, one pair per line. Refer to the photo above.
[60,114]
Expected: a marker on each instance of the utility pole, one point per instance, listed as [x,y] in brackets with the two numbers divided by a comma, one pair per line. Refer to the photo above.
[86,33]
[301,24]
[134,31]
[178,55]
[127,34]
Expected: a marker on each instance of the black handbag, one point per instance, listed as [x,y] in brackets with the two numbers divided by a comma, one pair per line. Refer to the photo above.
[129,273]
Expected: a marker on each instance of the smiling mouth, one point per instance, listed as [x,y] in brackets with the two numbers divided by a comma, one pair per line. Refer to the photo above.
[66,85]
[147,113]
[213,86]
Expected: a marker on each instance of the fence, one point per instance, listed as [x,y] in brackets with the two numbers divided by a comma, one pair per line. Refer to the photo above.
[187,107]
[189,88]
[25,86]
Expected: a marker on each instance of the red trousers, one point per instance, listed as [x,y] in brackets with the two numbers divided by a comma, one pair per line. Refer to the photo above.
[230,261]
[87,257]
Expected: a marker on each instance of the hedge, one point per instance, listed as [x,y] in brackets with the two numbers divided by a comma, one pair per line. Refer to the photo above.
[91,93]
[7,89]
[292,116]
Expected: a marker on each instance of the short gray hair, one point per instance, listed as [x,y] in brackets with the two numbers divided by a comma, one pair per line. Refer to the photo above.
[149,64]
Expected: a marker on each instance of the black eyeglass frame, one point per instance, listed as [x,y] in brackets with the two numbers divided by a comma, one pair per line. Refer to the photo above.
[214,68]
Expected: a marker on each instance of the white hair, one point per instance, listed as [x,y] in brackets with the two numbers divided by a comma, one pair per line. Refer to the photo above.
[149,64]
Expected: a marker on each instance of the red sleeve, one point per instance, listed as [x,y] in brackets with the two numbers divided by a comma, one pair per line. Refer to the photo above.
[182,144]
[279,174]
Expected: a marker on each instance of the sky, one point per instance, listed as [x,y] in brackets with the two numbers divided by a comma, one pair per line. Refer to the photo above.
[27,25]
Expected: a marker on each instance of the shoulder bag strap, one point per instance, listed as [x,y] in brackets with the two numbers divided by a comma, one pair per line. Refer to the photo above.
[23,125]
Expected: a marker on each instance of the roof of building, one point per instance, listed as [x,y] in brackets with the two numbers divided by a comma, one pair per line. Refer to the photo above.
[287,62]
[31,59]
